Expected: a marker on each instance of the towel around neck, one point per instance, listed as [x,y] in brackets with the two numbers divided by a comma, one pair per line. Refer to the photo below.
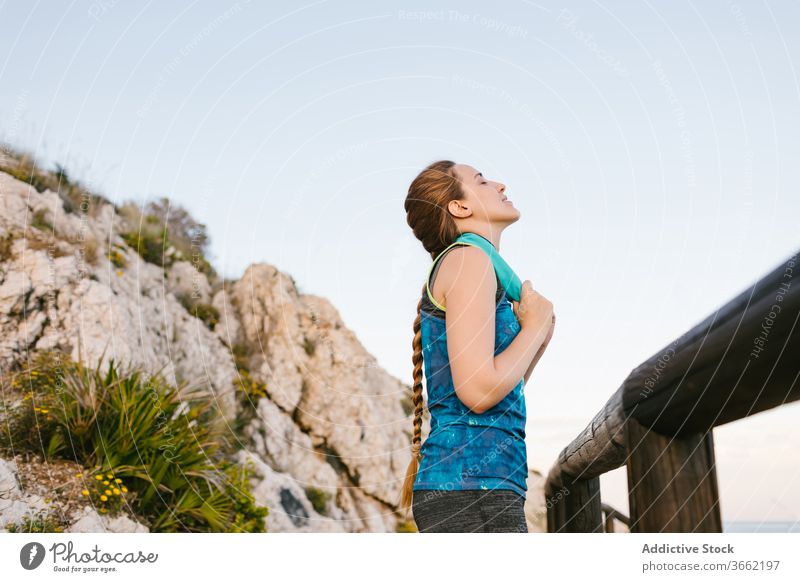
[508,278]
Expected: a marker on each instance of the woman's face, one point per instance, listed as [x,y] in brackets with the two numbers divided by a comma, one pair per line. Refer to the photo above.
[485,198]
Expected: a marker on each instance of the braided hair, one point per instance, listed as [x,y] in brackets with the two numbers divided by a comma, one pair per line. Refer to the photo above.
[427,215]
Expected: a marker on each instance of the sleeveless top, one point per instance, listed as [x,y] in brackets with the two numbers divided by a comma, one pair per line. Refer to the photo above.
[464,449]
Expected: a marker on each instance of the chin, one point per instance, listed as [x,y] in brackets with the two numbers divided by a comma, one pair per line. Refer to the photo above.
[509,216]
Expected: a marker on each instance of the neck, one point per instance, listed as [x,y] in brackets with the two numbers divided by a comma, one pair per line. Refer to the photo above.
[490,234]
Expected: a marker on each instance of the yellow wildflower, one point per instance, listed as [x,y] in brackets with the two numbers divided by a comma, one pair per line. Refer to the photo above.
[124,489]
[103,498]
[85,492]
[110,476]
[98,477]
[117,480]
[116,491]
[107,492]
[105,483]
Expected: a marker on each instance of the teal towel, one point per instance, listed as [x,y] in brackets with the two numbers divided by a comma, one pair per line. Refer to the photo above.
[508,278]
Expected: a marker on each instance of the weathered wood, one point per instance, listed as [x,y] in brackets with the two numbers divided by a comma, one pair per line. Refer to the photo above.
[672,482]
[599,448]
[578,509]
[740,360]
[611,515]
[556,514]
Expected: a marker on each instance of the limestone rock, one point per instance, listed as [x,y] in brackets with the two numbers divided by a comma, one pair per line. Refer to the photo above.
[228,329]
[184,279]
[89,521]
[15,504]
[98,312]
[317,371]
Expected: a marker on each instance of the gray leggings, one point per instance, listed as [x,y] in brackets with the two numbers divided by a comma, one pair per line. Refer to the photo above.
[469,510]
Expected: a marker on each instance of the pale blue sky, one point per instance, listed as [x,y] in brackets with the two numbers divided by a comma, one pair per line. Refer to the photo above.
[649,147]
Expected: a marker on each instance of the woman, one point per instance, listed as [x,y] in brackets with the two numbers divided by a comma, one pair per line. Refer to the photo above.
[479,349]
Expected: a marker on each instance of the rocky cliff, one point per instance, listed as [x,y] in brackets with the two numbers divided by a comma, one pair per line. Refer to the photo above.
[329,435]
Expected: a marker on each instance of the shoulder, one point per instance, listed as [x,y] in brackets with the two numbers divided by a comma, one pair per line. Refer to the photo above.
[467,254]
[467,266]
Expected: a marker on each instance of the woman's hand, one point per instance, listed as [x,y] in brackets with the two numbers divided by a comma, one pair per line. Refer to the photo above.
[516,308]
[533,309]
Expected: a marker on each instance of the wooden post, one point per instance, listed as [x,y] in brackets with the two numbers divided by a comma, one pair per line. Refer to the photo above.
[575,508]
[672,481]
[555,513]
[609,523]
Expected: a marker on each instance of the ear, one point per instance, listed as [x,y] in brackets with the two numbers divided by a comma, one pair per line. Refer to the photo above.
[458,210]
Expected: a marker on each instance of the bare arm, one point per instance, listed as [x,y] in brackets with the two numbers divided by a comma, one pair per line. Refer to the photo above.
[535,361]
[543,347]
[480,378]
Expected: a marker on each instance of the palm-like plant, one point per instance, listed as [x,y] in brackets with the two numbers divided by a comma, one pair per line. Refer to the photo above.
[162,440]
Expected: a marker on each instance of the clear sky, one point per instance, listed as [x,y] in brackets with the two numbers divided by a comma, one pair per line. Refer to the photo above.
[648,146]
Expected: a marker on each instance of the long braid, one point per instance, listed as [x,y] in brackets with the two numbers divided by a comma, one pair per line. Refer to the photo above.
[432,224]
[416,397]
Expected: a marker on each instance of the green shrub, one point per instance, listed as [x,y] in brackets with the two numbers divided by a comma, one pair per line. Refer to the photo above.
[149,245]
[117,257]
[248,389]
[163,232]
[248,392]
[206,312]
[41,522]
[74,196]
[203,311]
[40,221]
[240,353]
[319,499]
[6,247]
[251,387]
[162,441]
[246,385]
[24,169]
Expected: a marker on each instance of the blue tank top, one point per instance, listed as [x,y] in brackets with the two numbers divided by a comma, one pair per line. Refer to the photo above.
[464,449]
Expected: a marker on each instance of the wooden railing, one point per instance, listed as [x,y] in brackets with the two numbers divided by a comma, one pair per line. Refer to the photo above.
[610,514]
[742,359]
